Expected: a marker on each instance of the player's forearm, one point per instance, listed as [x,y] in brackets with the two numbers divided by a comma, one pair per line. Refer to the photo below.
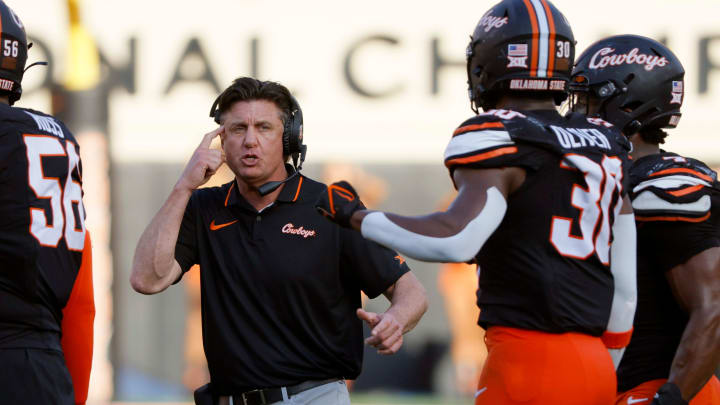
[451,236]
[699,352]
[155,253]
[408,301]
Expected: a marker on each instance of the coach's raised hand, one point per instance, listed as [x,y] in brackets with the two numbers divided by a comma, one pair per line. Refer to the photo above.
[154,264]
[203,164]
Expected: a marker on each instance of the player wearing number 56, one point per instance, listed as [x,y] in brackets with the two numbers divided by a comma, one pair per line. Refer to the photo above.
[46,297]
[541,207]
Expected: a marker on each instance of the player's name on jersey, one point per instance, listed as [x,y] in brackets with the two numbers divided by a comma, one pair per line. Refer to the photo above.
[571,138]
[47,124]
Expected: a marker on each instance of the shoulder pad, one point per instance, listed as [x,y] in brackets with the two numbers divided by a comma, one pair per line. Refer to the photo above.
[475,138]
[572,133]
[669,187]
[43,122]
[478,122]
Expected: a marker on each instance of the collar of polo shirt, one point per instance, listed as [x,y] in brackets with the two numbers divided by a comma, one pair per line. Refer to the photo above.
[290,192]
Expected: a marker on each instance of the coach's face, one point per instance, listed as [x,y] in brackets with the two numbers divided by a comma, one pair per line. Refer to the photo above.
[252,141]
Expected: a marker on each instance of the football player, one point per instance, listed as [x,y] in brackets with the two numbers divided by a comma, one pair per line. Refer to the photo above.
[637,84]
[541,207]
[46,295]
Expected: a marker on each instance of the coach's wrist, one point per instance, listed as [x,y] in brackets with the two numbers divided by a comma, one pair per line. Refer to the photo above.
[182,187]
[399,318]
[180,195]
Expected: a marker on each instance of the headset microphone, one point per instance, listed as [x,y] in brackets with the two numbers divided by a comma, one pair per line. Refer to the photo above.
[271,186]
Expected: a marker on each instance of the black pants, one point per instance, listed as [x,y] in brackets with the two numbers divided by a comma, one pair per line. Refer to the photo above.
[34,377]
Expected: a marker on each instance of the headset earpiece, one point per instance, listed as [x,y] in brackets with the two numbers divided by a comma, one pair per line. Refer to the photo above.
[293,130]
[214,112]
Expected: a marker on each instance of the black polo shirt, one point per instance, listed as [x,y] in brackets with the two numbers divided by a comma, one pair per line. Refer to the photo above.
[279,287]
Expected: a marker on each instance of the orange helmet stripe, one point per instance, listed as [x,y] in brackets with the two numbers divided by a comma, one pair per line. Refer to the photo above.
[535,38]
[551,39]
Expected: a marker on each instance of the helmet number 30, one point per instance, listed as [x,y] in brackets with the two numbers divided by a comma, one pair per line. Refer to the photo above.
[596,201]
[10,48]
[64,198]
[563,49]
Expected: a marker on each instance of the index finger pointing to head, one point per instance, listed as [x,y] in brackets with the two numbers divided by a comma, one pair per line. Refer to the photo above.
[208,138]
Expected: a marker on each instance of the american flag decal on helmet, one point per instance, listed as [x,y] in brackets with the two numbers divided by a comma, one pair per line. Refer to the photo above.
[517,50]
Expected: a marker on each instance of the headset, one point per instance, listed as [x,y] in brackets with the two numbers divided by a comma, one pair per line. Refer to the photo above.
[292,139]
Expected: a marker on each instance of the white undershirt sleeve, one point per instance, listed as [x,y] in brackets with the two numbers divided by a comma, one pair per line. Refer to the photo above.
[460,247]
[623,256]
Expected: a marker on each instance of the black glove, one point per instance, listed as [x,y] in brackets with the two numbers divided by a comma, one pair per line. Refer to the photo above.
[339,202]
[669,394]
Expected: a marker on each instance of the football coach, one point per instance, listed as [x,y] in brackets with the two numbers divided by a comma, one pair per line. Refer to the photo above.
[280,285]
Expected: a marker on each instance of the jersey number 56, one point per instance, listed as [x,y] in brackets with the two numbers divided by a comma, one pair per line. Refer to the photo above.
[63,197]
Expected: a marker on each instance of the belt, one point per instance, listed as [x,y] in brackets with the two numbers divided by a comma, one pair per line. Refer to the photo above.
[269,395]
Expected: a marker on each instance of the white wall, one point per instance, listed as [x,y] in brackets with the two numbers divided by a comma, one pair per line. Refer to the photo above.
[303,45]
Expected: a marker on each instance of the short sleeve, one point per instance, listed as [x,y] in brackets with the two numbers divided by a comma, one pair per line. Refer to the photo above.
[674,195]
[483,144]
[672,243]
[373,267]
[186,252]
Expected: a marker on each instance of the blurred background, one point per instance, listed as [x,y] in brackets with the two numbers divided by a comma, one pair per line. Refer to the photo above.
[382,85]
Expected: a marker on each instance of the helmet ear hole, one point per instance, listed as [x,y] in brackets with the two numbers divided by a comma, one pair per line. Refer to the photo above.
[632,127]
[629,78]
